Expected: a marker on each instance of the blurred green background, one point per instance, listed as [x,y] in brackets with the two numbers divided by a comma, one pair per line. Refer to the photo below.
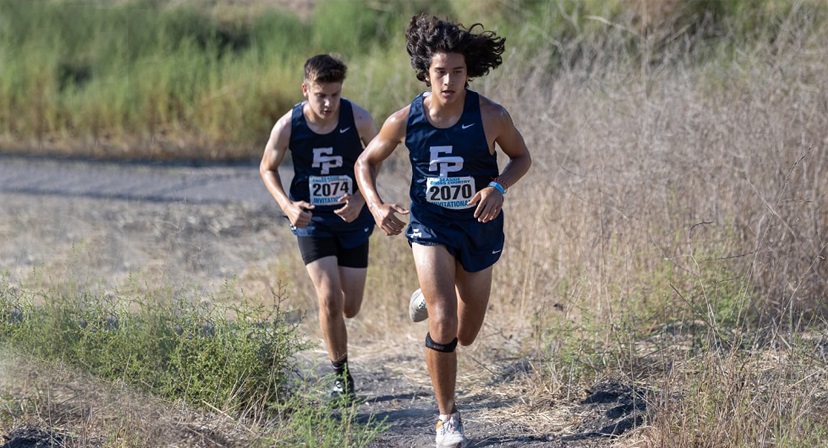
[207,79]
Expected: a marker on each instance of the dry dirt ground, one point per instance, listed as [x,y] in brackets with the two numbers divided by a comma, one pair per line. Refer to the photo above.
[96,225]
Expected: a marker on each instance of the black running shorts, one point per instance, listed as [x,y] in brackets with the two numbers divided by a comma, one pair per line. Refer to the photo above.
[314,248]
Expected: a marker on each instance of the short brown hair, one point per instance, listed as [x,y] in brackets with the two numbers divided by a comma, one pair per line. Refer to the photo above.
[325,68]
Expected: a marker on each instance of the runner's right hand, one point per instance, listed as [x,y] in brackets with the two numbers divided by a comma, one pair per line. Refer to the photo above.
[299,213]
[385,215]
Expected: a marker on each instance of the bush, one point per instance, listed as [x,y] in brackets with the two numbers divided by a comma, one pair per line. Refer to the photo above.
[236,358]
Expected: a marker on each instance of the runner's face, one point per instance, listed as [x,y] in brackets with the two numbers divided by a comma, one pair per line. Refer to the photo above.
[323,98]
[448,75]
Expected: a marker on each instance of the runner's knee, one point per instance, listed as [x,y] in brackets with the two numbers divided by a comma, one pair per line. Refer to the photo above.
[438,347]
[466,341]
[351,308]
[331,302]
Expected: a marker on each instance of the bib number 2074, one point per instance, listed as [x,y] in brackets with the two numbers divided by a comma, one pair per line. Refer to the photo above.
[326,190]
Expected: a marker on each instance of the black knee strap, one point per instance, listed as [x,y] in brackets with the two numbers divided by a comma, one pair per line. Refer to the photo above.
[445,348]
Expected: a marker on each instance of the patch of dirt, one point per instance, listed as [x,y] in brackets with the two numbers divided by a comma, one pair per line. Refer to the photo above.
[611,408]
[52,405]
[29,437]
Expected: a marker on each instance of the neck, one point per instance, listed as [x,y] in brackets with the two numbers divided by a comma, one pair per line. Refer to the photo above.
[318,123]
[442,113]
[439,104]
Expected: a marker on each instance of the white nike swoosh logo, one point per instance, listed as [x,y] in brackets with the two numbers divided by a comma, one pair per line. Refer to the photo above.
[466,126]
[344,130]
[495,252]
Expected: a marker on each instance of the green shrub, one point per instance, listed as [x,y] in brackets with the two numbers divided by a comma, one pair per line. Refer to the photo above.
[237,358]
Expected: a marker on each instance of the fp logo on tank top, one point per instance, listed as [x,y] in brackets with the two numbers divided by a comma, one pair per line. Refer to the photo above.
[325,189]
[453,192]
[444,165]
[323,158]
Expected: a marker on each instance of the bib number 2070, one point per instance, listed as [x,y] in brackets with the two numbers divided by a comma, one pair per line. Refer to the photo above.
[450,192]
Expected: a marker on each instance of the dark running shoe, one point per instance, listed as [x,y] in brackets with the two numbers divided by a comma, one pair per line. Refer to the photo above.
[343,388]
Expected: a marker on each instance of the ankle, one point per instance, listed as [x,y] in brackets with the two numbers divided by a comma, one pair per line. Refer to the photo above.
[341,366]
[446,417]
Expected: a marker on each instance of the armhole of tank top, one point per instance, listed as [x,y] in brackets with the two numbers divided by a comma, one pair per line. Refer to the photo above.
[293,119]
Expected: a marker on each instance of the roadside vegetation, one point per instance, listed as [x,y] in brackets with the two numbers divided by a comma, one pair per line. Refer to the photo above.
[237,360]
[195,79]
[671,234]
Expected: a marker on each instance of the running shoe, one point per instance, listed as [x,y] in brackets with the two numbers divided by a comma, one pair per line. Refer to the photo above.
[343,388]
[417,307]
[450,433]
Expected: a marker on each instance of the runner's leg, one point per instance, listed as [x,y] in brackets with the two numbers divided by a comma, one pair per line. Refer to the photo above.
[473,291]
[324,274]
[353,289]
[435,271]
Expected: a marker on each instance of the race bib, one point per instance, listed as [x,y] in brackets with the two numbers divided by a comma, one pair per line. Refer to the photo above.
[326,190]
[450,192]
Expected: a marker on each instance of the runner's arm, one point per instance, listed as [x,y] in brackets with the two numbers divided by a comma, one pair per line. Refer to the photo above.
[511,142]
[501,131]
[274,154]
[367,131]
[380,148]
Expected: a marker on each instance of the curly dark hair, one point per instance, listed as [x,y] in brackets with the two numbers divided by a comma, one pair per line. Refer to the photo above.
[325,68]
[427,35]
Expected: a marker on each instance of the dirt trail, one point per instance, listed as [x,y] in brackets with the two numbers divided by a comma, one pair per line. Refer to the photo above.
[204,224]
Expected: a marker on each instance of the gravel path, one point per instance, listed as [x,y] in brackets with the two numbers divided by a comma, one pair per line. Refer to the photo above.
[132,181]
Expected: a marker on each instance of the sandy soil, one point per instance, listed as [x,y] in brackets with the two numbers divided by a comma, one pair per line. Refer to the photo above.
[92,225]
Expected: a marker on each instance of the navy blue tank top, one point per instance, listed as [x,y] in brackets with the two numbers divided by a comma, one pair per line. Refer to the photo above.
[448,165]
[323,164]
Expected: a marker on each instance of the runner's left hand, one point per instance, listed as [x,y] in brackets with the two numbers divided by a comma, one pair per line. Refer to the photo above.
[353,205]
[489,204]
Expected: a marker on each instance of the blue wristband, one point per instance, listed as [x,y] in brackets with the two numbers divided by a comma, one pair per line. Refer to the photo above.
[498,187]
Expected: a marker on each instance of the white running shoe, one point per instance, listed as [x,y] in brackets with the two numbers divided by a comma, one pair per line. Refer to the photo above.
[417,307]
[450,433]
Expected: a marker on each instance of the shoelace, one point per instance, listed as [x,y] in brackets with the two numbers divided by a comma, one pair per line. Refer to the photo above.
[447,426]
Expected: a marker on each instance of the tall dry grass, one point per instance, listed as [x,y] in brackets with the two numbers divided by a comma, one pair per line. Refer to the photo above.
[667,164]
[672,232]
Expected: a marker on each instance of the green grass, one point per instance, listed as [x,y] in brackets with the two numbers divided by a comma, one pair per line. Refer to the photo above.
[238,359]
[172,348]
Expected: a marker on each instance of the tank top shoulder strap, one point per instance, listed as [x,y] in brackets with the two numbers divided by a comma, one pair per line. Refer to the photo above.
[346,114]
[415,112]
[297,117]
[472,104]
